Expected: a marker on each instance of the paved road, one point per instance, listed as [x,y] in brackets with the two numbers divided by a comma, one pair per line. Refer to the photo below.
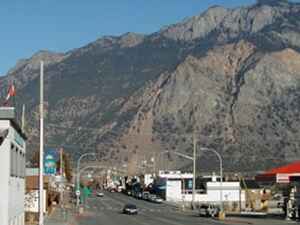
[107,211]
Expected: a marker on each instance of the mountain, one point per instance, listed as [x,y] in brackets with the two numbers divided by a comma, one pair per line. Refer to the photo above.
[227,77]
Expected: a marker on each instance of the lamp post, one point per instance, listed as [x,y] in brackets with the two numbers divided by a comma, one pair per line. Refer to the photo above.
[221,173]
[78,176]
[194,171]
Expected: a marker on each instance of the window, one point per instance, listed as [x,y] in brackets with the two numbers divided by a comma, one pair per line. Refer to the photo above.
[12,160]
[24,165]
[16,161]
[20,163]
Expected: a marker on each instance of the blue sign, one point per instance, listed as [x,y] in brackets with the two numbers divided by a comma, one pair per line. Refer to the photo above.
[190,184]
[50,160]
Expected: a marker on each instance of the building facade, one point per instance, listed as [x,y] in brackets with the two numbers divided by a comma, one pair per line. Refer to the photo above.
[12,169]
[179,189]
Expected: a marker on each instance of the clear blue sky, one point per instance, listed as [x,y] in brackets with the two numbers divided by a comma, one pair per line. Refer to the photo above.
[27,26]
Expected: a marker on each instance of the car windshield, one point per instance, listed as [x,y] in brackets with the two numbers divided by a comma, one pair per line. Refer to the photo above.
[129,206]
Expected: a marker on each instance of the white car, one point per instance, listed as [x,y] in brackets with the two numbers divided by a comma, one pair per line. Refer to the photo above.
[152,198]
[158,200]
[100,194]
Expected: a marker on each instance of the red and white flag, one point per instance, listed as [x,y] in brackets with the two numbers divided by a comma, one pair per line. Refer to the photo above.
[11,92]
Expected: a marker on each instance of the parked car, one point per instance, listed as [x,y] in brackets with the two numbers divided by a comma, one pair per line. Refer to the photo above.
[120,189]
[100,194]
[145,195]
[152,198]
[158,200]
[139,195]
[155,199]
[209,210]
[130,209]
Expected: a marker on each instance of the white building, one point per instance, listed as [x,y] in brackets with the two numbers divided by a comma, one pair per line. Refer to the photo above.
[230,193]
[179,189]
[12,169]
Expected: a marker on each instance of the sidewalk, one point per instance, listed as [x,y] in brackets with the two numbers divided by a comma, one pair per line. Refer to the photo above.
[59,217]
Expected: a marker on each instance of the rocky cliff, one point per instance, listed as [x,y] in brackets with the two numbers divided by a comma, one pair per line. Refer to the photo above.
[228,78]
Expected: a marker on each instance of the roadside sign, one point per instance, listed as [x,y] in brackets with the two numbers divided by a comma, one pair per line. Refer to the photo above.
[77,193]
[50,159]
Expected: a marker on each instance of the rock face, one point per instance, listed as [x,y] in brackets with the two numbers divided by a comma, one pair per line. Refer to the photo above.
[228,78]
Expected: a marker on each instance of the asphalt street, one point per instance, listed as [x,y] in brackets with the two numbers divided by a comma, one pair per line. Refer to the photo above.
[108,211]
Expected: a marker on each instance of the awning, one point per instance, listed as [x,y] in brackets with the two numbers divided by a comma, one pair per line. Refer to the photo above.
[280,174]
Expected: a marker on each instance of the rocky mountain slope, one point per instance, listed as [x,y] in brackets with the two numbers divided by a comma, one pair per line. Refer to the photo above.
[228,77]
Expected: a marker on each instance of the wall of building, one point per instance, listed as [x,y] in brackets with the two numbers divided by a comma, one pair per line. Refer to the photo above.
[4,175]
[12,173]
[230,192]
[17,179]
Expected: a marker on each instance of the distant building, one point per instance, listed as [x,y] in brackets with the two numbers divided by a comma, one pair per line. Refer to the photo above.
[12,169]
[51,192]
[178,187]
[32,190]
[280,174]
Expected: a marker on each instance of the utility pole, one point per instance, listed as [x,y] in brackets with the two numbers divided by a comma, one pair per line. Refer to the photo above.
[194,171]
[153,160]
[61,174]
[23,117]
[61,161]
[41,186]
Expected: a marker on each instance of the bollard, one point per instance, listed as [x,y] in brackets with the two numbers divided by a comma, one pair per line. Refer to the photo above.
[81,210]
[221,215]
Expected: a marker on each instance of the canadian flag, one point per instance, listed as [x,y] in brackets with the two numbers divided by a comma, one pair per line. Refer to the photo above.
[11,92]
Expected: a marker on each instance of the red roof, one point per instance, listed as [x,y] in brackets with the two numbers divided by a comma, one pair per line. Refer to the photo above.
[290,168]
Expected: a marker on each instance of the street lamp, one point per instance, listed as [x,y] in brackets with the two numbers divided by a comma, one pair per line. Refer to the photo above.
[221,173]
[178,154]
[194,168]
[90,167]
[78,176]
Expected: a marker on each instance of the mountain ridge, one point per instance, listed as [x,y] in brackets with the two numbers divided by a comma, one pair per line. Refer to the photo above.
[228,77]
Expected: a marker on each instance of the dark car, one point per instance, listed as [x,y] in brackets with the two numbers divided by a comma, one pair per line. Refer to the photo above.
[145,195]
[130,209]
[209,210]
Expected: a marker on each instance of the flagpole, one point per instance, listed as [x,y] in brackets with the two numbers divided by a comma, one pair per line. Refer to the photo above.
[41,186]
[14,98]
